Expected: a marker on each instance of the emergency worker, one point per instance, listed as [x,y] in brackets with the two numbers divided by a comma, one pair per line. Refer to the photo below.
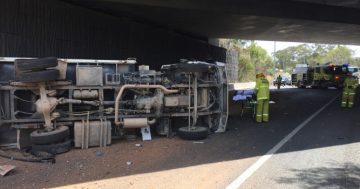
[262,97]
[278,81]
[349,91]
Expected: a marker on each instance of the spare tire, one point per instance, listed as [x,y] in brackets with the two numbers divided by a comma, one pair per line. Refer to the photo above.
[36,64]
[194,133]
[56,148]
[59,134]
[39,76]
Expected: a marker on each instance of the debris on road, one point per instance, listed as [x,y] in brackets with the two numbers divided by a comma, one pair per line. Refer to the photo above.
[5,169]
[198,142]
[138,145]
[128,163]
[99,153]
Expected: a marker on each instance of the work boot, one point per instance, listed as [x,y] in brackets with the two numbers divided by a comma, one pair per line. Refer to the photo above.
[259,118]
[265,117]
[343,104]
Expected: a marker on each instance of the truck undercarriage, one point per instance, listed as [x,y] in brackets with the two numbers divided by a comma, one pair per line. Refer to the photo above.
[50,101]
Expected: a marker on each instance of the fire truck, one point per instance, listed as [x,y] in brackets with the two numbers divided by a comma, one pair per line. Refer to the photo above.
[320,76]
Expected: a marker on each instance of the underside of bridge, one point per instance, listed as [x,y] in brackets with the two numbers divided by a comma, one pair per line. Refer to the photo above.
[323,21]
[162,31]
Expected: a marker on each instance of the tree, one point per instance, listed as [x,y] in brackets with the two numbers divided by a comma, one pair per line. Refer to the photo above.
[260,58]
[246,67]
[252,58]
[312,54]
[339,55]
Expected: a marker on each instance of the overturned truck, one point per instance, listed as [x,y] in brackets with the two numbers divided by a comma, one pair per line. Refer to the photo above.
[52,104]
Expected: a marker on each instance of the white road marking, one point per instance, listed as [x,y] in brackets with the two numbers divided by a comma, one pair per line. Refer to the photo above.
[252,169]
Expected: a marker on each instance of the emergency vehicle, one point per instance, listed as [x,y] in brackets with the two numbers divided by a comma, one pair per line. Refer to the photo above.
[320,76]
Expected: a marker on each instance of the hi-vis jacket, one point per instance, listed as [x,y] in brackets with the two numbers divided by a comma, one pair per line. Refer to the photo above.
[262,89]
[350,84]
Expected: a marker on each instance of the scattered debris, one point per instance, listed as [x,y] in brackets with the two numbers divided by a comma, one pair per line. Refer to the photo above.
[128,163]
[198,142]
[146,134]
[99,153]
[4,169]
[138,145]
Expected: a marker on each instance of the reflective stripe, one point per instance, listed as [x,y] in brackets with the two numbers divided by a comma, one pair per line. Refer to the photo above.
[258,115]
[262,98]
[265,114]
[343,102]
[351,103]
[352,93]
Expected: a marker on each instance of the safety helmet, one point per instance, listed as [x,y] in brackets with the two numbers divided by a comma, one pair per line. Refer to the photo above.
[260,75]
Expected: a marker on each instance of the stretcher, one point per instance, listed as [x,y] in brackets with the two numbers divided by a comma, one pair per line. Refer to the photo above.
[247,99]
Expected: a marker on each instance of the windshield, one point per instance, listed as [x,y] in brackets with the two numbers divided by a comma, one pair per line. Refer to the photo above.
[353,69]
[339,70]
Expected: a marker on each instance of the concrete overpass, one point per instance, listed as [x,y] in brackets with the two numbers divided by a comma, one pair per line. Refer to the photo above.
[322,21]
[162,31]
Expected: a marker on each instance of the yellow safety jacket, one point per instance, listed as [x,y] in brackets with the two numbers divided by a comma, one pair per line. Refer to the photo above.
[350,84]
[262,89]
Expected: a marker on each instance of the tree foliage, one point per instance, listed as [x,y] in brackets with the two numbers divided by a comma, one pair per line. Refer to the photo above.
[313,54]
[254,59]
[261,60]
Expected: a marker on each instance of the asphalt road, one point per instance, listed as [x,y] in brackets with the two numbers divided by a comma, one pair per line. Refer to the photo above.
[324,153]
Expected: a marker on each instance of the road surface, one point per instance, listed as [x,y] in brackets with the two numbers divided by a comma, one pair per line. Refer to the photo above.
[323,153]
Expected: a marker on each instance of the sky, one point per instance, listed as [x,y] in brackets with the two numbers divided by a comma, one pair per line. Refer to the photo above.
[269,46]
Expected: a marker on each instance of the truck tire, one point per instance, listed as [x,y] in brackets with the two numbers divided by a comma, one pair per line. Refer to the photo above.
[39,76]
[195,133]
[36,64]
[56,148]
[40,137]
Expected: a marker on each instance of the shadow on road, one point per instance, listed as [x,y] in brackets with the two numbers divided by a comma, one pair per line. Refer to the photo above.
[333,176]
[244,139]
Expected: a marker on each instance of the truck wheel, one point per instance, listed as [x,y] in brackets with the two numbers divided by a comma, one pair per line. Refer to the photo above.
[48,137]
[36,64]
[194,133]
[56,148]
[38,76]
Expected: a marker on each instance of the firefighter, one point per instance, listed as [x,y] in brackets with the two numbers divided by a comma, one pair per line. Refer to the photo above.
[349,91]
[278,81]
[262,98]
